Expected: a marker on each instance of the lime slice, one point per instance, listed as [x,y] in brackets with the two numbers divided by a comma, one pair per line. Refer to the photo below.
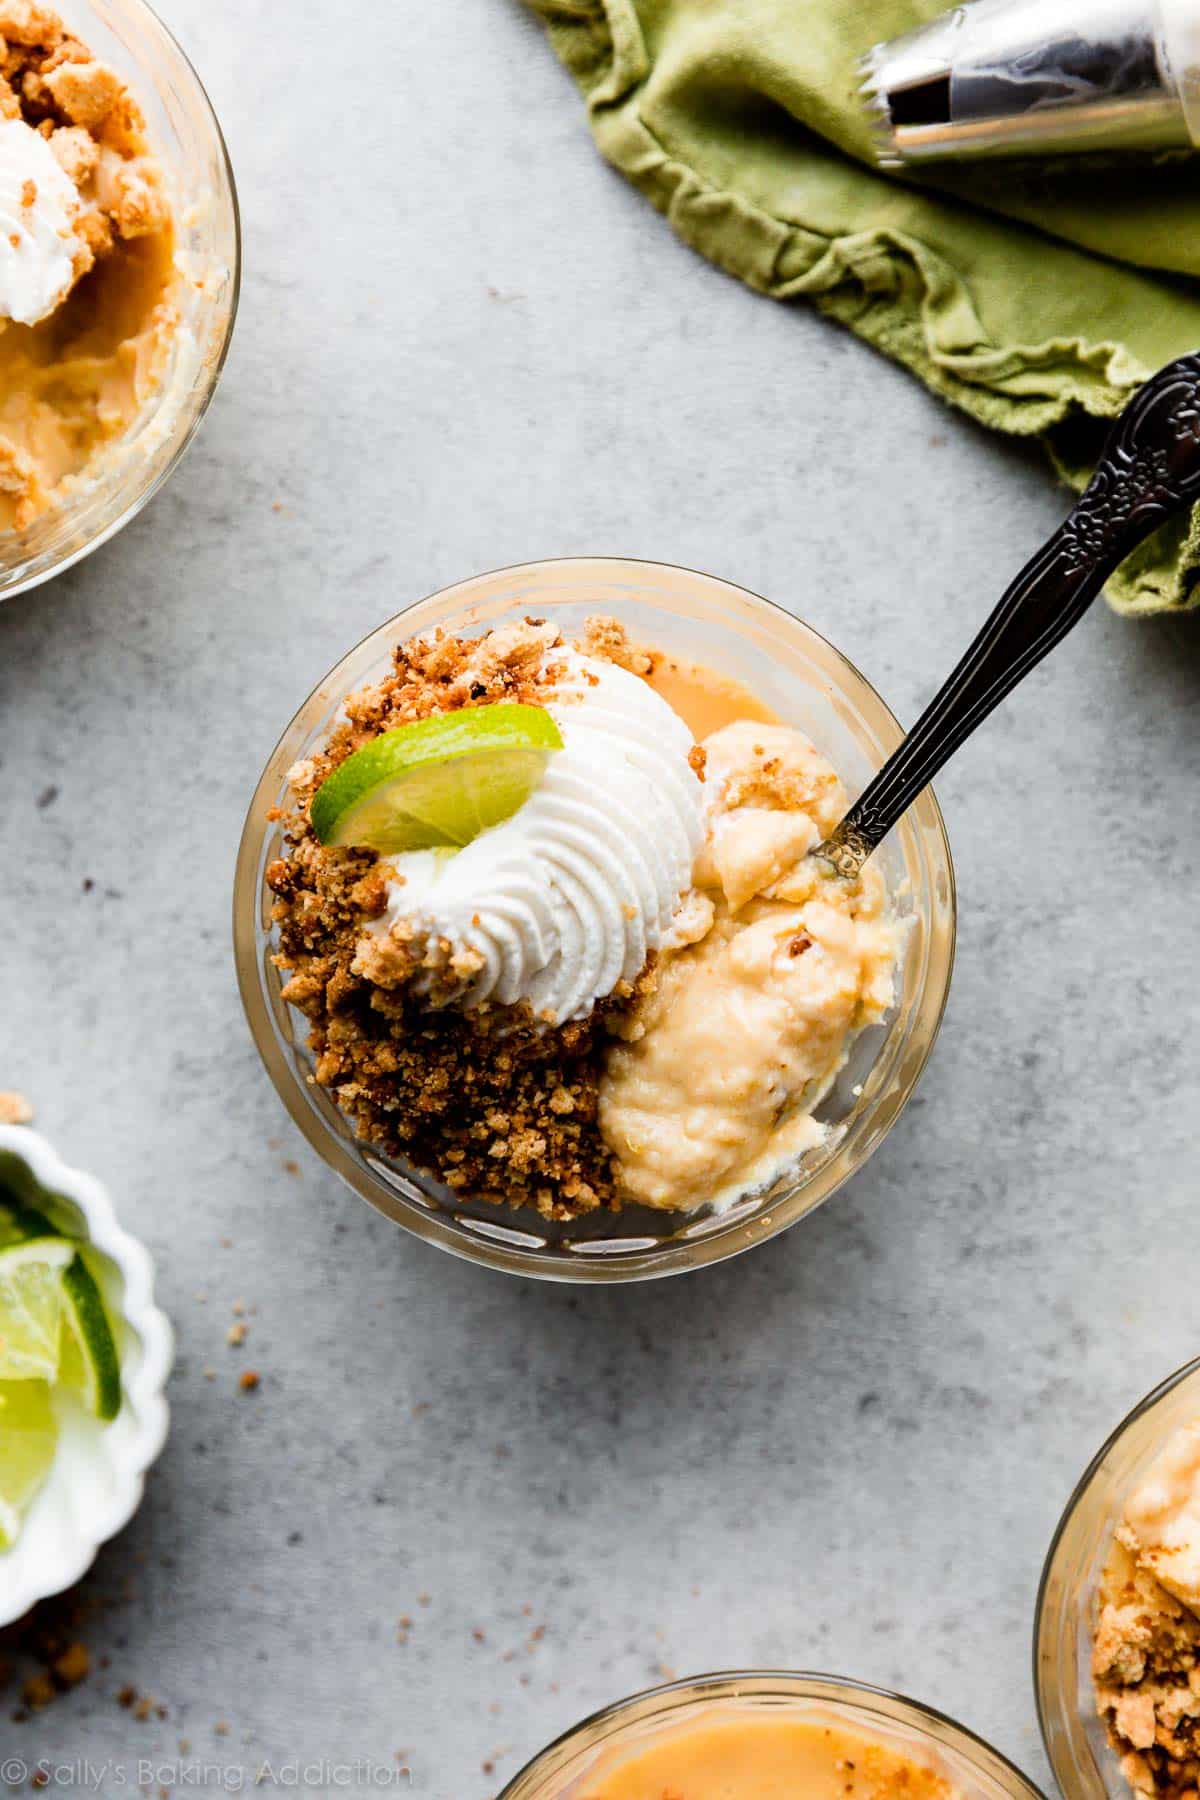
[31,1307]
[89,1363]
[438,783]
[28,1437]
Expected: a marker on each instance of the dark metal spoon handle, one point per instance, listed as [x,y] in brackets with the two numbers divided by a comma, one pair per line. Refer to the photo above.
[1149,470]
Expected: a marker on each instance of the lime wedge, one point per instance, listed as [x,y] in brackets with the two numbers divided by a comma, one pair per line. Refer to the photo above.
[89,1363]
[438,782]
[31,1307]
[28,1436]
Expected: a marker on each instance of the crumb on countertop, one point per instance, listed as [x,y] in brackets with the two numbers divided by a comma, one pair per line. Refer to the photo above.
[42,1654]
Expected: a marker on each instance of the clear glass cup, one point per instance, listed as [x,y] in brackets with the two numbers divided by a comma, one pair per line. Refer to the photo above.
[1084,1763]
[973,1767]
[809,684]
[186,139]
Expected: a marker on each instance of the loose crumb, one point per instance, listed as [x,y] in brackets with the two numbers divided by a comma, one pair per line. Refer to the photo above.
[38,1691]
[72,1666]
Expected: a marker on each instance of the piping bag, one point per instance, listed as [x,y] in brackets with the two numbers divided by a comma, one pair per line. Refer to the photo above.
[1038,79]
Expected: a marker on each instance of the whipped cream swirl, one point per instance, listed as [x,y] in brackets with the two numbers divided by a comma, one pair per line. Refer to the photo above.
[565,899]
[38,206]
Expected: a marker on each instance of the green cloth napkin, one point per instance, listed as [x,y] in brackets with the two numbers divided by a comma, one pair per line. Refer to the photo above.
[1036,301]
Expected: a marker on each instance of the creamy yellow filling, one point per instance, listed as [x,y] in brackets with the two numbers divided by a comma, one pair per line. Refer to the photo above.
[712,1086]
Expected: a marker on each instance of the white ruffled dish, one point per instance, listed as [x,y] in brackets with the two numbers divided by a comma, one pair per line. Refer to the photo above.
[96,1483]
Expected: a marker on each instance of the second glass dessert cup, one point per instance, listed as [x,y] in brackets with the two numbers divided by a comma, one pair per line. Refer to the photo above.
[808,684]
[186,141]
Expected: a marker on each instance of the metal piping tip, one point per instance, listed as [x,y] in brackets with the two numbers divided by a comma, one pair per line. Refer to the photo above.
[907,83]
[873,97]
[1032,77]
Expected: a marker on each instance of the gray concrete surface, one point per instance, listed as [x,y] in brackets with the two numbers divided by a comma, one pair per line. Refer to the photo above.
[463,343]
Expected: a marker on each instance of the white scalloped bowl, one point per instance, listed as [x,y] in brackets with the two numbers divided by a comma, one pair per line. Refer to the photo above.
[96,1483]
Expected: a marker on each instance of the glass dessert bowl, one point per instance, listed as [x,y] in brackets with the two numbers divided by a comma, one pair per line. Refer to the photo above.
[1107,1631]
[748,1734]
[770,667]
[119,283]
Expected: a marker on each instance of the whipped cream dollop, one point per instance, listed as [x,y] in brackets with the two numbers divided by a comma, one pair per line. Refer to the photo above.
[38,206]
[565,899]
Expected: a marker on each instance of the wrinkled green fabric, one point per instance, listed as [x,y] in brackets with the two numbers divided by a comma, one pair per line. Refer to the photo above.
[1036,301]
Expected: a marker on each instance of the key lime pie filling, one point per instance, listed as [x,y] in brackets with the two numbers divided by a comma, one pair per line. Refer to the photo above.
[549,910]
[729,1753]
[88,279]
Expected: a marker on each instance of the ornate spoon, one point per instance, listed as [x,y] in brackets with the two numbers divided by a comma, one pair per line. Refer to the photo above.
[1149,470]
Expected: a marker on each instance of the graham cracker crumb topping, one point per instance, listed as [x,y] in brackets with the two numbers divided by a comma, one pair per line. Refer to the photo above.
[1146,1667]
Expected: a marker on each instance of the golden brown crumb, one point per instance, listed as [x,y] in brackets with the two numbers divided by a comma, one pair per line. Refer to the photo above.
[248,1380]
[26,25]
[76,152]
[95,233]
[19,478]
[85,92]
[137,200]
[37,1691]
[608,639]
[236,1335]
[1146,1666]
[72,1666]
[14,1109]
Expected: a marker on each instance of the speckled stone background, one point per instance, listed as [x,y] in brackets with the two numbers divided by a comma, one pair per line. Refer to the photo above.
[464,342]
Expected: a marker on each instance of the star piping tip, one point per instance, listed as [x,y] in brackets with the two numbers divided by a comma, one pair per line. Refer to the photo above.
[873,98]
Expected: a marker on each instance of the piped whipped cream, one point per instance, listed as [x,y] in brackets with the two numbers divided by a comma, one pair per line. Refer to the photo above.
[566,899]
[38,207]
